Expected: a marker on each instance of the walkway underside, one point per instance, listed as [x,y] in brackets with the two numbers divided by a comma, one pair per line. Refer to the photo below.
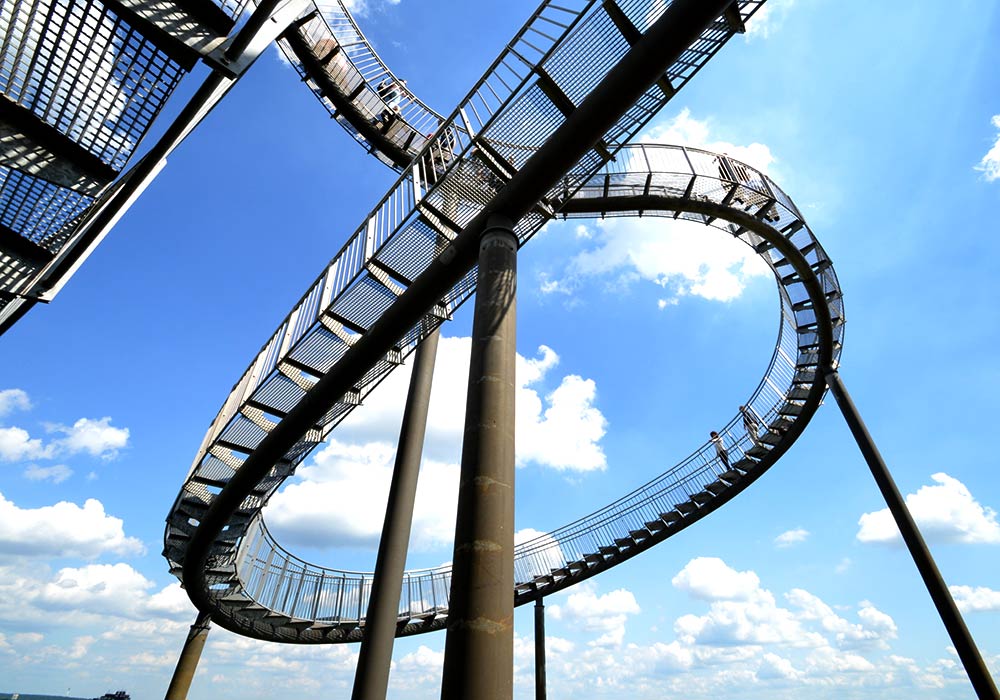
[254,587]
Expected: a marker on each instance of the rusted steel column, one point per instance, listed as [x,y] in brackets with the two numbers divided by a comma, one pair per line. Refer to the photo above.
[965,645]
[187,664]
[371,679]
[540,650]
[479,649]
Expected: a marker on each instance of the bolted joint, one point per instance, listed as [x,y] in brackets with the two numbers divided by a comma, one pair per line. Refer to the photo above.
[499,233]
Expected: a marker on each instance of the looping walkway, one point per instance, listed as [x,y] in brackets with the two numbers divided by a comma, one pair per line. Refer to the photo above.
[261,590]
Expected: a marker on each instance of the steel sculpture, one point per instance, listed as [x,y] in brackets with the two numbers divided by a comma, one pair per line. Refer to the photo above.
[481,182]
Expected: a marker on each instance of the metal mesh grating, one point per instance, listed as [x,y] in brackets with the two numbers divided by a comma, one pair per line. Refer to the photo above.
[85,72]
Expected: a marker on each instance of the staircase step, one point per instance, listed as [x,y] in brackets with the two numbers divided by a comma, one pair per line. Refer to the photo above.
[686,508]
[716,488]
[624,542]
[655,525]
[732,476]
[744,465]
[770,438]
[671,517]
[639,535]
[790,409]
[702,497]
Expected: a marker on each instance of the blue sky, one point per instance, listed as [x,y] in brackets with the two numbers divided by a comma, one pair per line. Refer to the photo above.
[881,120]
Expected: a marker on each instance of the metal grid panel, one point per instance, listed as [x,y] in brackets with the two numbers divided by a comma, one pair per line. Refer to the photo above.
[38,210]
[85,72]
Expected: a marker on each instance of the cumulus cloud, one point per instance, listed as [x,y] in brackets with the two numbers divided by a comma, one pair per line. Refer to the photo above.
[13,400]
[790,537]
[990,164]
[605,613]
[96,437]
[709,578]
[57,473]
[116,598]
[560,429]
[945,512]
[330,501]
[743,614]
[339,499]
[62,530]
[684,258]
[16,444]
[978,599]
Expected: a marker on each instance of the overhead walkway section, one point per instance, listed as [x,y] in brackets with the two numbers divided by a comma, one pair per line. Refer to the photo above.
[81,81]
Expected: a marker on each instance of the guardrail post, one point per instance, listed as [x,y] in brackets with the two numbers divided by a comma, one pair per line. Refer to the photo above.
[965,646]
[371,679]
[479,648]
[187,664]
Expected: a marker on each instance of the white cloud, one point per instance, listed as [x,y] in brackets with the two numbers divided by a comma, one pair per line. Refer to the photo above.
[62,530]
[946,512]
[13,400]
[684,130]
[16,444]
[57,473]
[94,436]
[790,537]
[605,613]
[709,578]
[560,430]
[876,628]
[768,19]
[356,478]
[684,258]
[978,599]
[990,164]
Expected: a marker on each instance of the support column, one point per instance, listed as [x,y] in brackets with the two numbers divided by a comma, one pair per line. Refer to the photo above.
[187,664]
[945,604]
[539,649]
[371,679]
[479,649]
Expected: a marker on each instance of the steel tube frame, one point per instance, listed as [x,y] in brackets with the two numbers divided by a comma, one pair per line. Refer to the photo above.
[479,647]
[647,60]
[371,678]
[969,654]
[540,693]
[187,664]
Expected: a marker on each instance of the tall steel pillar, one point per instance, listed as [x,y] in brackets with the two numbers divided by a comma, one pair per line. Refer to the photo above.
[945,604]
[540,649]
[479,648]
[371,679]
[187,664]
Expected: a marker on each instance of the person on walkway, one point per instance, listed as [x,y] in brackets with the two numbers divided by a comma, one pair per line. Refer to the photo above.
[389,91]
[752,423]
[720,448]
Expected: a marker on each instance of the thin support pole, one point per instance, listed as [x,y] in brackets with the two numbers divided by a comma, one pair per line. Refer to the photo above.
[371,679]
[539,649]
[945,604]
[479,647]
[187,664]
